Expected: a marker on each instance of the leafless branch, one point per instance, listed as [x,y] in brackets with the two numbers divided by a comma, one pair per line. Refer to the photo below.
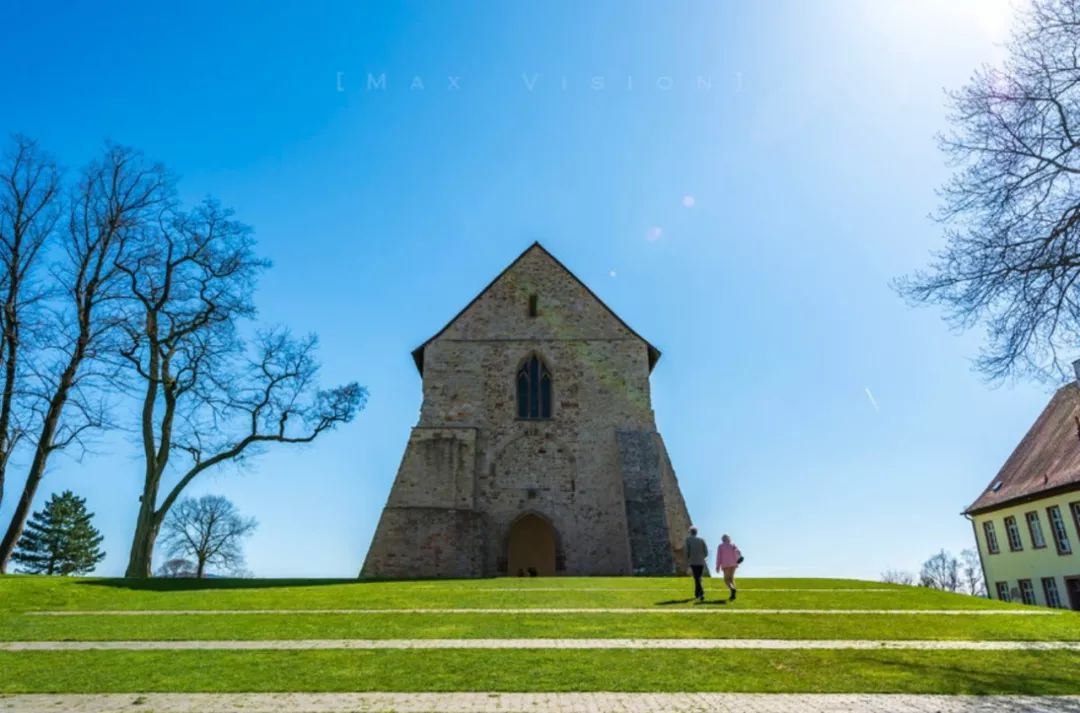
[209,398]
[1011,210]
[110,205]
[208,530]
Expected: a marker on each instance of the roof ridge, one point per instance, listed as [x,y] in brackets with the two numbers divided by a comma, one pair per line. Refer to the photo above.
[418,353]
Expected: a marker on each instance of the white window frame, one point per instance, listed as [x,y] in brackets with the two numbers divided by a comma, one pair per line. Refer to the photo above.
[1038,538]
[1003,591]
[1057,528]
[1012,534]
[990,534]
[1027,595]
[1052,593]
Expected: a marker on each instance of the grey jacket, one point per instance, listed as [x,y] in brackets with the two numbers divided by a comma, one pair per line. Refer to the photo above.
[696,551]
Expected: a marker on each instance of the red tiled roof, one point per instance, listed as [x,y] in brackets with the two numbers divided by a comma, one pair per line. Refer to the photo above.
[1047,459]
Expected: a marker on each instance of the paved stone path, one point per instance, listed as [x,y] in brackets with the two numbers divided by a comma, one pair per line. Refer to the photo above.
[658,590]
[533,703]
[307,644]
[707,608]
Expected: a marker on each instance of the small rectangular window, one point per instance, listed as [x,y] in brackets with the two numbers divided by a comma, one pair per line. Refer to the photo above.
[1050,590]
[1057,529]
[991,538]
[1012,530]
[1027,591]
[532,305]
[1075,507]
[1038,540]
[1003,591]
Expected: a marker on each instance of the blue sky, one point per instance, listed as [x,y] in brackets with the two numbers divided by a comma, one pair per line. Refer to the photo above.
[803,132]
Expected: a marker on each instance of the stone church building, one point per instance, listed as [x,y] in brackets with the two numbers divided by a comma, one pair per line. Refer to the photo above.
[536,451]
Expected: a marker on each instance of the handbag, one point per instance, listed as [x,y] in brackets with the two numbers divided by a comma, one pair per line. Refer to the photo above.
[739,561]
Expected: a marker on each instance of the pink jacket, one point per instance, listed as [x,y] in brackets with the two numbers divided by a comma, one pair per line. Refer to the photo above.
[727,555]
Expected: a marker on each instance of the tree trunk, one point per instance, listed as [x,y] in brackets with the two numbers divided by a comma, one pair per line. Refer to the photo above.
[140,561]
[10,356]
[18,518]
[45,444]
[200,570]
[41,457]
[142,549]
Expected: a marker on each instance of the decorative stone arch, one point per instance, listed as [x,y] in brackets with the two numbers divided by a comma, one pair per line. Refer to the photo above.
[532,541]
[534,398]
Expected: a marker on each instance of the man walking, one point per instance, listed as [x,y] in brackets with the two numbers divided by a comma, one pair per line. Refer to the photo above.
[696,552]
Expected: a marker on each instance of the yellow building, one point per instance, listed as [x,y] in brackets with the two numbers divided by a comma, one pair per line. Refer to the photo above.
[1027,521]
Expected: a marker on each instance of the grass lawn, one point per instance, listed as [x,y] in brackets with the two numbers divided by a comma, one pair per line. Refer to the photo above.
[38,593]
[519,670]
[957,672]
[583,626]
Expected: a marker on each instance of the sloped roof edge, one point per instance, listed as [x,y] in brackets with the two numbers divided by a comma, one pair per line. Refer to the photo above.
[1045,462]
[418,353]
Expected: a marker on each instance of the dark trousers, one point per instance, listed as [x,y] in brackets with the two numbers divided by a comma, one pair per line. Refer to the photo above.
[698,570]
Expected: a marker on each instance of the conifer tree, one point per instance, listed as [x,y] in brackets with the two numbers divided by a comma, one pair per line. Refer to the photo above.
[60,538]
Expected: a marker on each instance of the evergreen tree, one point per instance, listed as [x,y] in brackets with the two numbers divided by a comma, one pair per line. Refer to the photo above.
[60,539]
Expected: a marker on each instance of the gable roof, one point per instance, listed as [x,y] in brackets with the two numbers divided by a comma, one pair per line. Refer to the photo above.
[418,353]
[1046,462]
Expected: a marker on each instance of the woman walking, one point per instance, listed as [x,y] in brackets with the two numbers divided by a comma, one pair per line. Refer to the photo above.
[728,558]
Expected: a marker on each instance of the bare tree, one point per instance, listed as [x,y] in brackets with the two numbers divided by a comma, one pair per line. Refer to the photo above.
[1011,210]
[896,576]
[30,207]
[113,201]
[207,397]
[208,530]
[177,568]
[942,571]
[972,574]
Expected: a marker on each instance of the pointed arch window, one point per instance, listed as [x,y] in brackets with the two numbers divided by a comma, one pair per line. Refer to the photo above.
[534,389]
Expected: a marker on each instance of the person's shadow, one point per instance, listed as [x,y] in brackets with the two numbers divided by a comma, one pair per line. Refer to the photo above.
[669,602]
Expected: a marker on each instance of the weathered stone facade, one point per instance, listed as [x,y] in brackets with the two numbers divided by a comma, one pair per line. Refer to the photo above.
[474,473]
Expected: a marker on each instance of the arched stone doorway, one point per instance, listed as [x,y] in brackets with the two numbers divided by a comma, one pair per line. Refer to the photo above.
[531,547]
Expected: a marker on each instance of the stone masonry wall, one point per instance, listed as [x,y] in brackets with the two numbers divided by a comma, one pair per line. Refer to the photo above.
[437,470]
[646,516]
[678,517]
[565,469]
[470,452]
[416,542]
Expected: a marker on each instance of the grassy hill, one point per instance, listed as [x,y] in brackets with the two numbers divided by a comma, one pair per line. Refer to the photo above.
[38,609]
